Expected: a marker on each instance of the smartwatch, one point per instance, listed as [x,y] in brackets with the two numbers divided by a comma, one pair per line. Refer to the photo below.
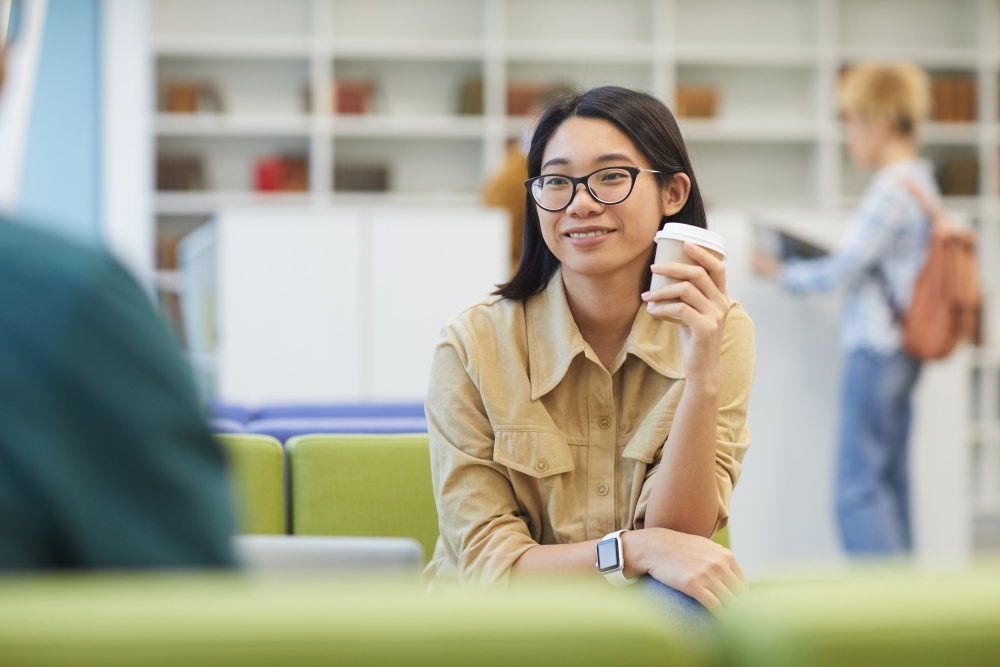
[611,559]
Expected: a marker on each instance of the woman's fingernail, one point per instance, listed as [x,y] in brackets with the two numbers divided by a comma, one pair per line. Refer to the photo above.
[644,296]
[650,305]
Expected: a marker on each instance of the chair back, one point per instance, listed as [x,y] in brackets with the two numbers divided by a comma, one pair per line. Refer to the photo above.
[363,485]
[257,475]
[308,554]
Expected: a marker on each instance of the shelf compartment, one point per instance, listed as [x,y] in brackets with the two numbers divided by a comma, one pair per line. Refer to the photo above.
[706,24]
[935,24]
[755,173]
[236,18]
[245,85]
[406,88]
[587,20]
[580,75]
[768,95]
[404,19]
[228,162]
[417,164]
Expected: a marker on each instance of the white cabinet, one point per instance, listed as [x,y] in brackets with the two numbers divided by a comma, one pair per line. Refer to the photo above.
[314,304]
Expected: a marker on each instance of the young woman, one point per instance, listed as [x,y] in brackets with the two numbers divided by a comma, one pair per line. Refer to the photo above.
[883,106]
[566,407]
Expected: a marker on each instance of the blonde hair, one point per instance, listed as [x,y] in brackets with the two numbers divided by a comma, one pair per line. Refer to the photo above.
[898,93]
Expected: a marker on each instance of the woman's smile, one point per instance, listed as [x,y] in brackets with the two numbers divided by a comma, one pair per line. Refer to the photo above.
[588,237]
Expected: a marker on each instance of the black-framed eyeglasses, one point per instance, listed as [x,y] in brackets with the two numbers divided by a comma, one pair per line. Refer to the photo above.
[610,185]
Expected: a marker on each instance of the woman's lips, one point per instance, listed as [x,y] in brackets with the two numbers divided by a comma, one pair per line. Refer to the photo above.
[588,238]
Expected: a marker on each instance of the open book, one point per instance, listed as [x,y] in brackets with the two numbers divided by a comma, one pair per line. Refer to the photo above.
[774,239]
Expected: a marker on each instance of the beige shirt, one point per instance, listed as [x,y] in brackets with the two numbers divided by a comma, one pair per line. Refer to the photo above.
[533,441]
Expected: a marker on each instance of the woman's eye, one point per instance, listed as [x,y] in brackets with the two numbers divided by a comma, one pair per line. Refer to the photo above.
[555,182]
[613,176]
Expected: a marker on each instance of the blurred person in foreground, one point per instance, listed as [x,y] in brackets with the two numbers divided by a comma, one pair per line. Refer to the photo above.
[878,263]
[105,458]
[570,404]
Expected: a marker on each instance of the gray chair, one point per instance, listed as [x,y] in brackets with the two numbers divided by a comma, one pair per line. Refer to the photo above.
[295,554]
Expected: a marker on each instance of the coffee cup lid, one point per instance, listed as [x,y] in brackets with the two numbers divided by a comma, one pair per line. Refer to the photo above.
[678,231]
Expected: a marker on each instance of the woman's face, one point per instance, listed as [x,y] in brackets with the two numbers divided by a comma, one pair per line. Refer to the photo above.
[866,139]
[591,238]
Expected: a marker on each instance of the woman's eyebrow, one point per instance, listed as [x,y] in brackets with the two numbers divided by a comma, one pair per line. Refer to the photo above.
[556,160]
[614,157]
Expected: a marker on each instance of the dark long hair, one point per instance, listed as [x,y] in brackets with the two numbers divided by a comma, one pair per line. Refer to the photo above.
[651,127]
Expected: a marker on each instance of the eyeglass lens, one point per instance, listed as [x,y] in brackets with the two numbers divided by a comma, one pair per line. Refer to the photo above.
[608,186]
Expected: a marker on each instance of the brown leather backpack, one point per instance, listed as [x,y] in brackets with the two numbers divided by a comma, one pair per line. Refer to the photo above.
[947,295]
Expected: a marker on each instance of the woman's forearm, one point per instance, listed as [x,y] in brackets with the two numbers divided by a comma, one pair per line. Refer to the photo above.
[684,496]
[579,558]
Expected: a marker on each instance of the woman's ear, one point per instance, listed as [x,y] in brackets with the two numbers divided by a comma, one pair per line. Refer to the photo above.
[675,195]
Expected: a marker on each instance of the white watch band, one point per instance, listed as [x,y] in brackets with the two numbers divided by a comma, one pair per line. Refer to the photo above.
[616,577]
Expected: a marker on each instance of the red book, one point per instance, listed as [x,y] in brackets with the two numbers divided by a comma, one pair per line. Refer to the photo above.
[269,174]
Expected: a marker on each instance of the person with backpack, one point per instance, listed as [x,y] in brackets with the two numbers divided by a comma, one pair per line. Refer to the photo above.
[878,263]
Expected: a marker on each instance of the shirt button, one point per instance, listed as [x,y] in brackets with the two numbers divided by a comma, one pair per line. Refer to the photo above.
[602,490]
[604,421]
[541,465]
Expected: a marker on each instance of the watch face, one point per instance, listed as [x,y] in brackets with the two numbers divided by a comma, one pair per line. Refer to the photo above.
[607,555]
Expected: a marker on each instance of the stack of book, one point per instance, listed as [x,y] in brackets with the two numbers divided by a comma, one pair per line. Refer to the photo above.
[360,178]
[353,97]
[192,97]
[954,98]
[959,176]
[696,101]
[288,173]
[179,172]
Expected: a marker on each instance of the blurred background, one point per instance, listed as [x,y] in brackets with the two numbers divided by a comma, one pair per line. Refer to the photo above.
[299,184]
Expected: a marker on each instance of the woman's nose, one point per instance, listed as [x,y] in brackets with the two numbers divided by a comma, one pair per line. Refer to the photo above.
[583,203]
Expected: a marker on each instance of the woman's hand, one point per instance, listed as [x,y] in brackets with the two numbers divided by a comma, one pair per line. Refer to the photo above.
[693,565]
[702,309]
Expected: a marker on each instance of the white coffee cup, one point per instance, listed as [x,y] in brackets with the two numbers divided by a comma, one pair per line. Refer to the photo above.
[670,248]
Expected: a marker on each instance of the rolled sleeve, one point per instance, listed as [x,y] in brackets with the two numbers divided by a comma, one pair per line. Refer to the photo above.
[733,433]
[481,525]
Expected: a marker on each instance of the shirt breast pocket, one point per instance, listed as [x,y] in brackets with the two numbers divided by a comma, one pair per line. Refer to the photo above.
[534,453]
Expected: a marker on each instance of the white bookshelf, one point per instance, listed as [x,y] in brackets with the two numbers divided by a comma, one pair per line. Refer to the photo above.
[776,141]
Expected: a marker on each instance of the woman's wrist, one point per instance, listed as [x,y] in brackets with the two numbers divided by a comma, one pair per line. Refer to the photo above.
[636,550]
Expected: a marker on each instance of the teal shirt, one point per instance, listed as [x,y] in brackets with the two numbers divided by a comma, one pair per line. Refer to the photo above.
[105,457]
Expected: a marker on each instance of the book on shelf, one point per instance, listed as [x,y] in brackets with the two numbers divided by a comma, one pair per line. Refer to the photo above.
[360,178]
[470,99]
[953,98]
[179,172]
[959,176]
[289,173]
[696,101]
[353,97]
[192,97]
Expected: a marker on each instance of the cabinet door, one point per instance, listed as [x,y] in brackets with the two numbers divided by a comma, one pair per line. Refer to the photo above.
[288,305]
[427,266]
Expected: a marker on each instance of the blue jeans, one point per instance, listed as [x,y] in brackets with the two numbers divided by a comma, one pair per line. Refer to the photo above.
[873,491]
[697,621]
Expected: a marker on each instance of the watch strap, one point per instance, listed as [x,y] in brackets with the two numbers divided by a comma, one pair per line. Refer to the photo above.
[617,577]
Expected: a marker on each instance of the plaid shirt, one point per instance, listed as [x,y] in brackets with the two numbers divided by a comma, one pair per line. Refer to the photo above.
[889,234]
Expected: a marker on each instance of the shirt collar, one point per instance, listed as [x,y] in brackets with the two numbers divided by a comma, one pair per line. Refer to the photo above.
[554,340]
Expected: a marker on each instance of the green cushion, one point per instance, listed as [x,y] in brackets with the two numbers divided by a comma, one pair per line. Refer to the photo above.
[367,485]
[256,467]
[225,620]
[882,619]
